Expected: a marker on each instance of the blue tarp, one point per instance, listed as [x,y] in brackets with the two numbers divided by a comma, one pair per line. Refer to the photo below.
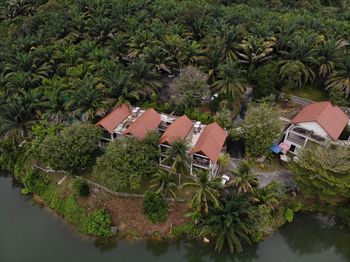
[275,148]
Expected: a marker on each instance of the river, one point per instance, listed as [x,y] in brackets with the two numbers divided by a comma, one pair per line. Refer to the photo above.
[30,233]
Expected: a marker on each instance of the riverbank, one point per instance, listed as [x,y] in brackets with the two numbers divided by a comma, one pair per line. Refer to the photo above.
[44,237]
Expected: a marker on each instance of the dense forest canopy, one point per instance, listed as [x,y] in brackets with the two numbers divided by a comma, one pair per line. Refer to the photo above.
[62,58]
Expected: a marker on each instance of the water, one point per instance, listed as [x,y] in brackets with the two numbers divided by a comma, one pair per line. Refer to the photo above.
[29,233]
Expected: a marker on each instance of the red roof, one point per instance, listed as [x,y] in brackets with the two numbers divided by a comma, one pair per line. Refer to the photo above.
[211,141]
[149,120]
[177,130]
[115,118]
[331,118]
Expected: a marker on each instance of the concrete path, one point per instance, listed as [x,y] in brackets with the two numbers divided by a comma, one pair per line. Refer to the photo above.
[265,178]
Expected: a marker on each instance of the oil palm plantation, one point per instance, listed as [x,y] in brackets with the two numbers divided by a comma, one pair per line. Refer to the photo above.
[206,191]
[245,180]
[163,182]
[177,157]
[229,224]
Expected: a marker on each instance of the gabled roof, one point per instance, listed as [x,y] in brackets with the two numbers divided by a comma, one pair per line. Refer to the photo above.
[331,118]
[211,141]
[177,130]
[115,118]
[147,121]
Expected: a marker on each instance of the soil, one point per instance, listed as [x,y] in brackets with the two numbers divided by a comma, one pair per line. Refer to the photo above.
[126,214]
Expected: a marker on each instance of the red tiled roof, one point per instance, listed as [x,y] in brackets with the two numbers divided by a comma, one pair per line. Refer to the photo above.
[149,120]
[331,118]
[114,118]
[177,130]
[211,141]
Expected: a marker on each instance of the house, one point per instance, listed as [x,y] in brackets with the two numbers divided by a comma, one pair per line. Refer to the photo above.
[208,147]
[178,130]
[111,121]
[206,143]
[147,121]
[320,123]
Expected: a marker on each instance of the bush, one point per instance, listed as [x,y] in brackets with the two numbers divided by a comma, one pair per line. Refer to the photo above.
[81,188]
[188,229]
[155,207]
[289,215]
[98,223]
[343,212]
[336,95]
[35,182]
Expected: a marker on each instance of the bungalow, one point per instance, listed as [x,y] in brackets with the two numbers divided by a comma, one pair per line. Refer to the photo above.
[207,148]
[205,142]
[319,123]
[113,120]
[178,130]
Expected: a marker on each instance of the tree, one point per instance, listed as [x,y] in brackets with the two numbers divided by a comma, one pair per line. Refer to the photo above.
[323,173]
[295,73]
[164,183]
[341,77]
[230,81]
[72,149]
[127,161]
[229,224]
[260,129]
[205,191]
[177,157]
[155,207]
[245,180]
[189,88]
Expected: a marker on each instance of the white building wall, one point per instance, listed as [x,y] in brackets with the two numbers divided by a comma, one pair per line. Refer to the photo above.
[314,127]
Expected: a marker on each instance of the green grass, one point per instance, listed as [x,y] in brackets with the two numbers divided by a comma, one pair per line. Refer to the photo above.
[309,92]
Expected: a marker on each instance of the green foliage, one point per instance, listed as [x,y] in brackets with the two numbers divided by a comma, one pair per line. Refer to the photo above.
[197,115]
[289,215]
[336,96]
[36,182]
[155,207]
[98,223]
[72,149]
[265,78]
[127,161]
[260,128]
[81,188]
[323,173]
[343,212]
[187,229]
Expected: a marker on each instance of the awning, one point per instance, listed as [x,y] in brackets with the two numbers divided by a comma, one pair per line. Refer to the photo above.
[285,146]
[275,148]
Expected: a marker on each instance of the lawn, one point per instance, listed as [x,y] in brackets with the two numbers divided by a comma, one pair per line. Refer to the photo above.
[309,92]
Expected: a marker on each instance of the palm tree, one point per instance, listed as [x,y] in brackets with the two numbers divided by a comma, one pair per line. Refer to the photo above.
[327,55]
[144,76]
[178,158]
[205,191]
[55,98]
[229,223]
[341,77]
[295,73]
[255,51]
[231,80]
[164,183]
[267,196]
[159,58]
[18,114]
[245,181]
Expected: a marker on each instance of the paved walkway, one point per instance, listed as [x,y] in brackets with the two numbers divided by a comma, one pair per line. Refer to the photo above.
[265,178]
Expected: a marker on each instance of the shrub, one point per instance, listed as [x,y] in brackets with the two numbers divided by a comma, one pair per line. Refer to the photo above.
[289,215]
[81,188]
[35,182]
[343,212]
[98,223]
[155,207]
[188,229]
[73,212]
